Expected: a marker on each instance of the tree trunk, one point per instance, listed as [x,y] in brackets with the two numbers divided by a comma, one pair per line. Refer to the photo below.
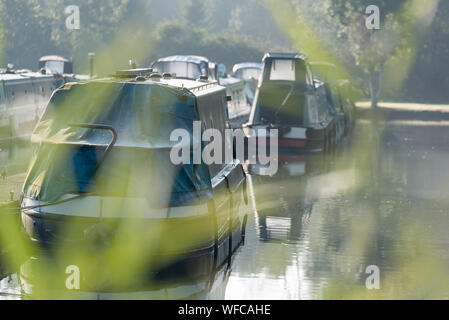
[374,81]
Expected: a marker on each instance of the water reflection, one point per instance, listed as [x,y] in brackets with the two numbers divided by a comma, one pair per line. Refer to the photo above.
[283,203]
[382,201]
[179,288]
[14,159]
[40,277]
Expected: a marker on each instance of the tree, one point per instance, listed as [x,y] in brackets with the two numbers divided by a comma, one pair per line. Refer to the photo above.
[431,62]
[198,13]
[335,31]
[226,47]
[26,32]
[396,39]
[100,22]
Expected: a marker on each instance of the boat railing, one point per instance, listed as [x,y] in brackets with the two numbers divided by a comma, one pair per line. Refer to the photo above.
[99,127]
[204,86]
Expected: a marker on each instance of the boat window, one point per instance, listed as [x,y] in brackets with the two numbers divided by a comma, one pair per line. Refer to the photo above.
[323,105]
[213,71]
[55,66]
[282,69]
[182,69]
[312,106]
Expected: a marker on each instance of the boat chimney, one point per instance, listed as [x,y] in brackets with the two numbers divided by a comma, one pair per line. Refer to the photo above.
[91,64]
[133,64]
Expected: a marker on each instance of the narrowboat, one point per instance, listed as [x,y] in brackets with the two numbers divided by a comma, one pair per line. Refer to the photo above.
[186,67]
[56,64]
[61,68]
[197,67]
[337,95]
[250,73]
[290,100]
[103,177]
[239,107]
[23,97]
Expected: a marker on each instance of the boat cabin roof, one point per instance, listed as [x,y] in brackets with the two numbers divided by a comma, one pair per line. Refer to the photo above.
[246,65]
[182,58]
[150,78]
[204,67]
[287,56]
[23,76]
[110,97]
[54,58]
[290,67]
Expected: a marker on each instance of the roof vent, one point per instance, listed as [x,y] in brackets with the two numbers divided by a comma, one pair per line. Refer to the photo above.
[155,76]
[167,76]
[203,79]
[141,79]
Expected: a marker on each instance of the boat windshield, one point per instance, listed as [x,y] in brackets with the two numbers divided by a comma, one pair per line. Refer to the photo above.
[283,70]
[248,73]
[182,69]
[281,104]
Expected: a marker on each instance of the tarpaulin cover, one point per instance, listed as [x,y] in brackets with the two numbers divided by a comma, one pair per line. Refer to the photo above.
[144,115]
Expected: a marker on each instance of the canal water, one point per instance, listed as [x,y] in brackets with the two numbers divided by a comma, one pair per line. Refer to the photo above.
[378,207]
[14,159]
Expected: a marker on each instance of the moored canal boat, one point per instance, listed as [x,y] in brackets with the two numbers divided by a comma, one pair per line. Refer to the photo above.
[62,68]
[103,165]
[337,92]
[250,73]
[23,96]
[290,100]
[201,68]
[238,105]
[187,67]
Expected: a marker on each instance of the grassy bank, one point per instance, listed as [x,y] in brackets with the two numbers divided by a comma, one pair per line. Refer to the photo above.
[403,111]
